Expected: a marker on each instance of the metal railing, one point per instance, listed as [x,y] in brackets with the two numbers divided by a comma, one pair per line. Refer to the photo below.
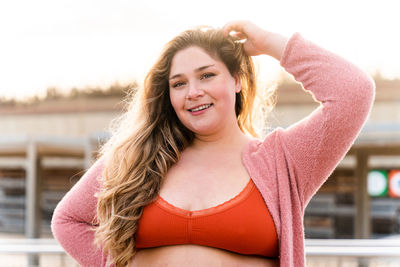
[353,247]
[33,253]
[30,246]
[361,249]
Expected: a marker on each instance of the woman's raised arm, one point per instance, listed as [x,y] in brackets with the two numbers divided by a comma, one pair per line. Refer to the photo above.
[315,144]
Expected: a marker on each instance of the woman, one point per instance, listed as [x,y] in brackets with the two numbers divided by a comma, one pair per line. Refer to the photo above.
[181,182]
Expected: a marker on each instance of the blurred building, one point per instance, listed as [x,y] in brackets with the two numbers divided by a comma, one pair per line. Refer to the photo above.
[45,149]
[61,117]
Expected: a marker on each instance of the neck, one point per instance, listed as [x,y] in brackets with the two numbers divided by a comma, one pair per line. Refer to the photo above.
[221,138]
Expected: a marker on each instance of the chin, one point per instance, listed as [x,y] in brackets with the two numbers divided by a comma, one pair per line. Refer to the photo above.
[203,131]
[205,128]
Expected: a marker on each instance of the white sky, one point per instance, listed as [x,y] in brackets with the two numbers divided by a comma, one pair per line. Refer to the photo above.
[78,43]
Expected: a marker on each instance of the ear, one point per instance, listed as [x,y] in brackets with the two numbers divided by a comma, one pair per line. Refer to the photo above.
[238,83]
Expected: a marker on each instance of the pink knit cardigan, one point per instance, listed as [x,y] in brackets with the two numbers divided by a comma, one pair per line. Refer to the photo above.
[287,167]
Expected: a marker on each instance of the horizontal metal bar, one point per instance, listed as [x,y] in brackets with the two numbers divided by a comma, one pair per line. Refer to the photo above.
[353,251]
[30,246]
[353,242]
[353,247]
[314,247]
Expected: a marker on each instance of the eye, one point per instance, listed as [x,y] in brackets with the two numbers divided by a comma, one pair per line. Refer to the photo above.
[207,75]
[178,84]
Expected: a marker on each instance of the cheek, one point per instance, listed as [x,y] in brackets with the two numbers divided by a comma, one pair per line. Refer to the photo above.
[176,100]
[226,93]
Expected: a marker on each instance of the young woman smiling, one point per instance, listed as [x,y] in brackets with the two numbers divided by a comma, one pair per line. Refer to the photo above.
[184,181]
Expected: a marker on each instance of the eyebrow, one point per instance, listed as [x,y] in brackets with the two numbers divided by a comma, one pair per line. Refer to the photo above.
[196,70]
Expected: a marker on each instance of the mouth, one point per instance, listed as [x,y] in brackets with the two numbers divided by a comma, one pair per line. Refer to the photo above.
[200,108]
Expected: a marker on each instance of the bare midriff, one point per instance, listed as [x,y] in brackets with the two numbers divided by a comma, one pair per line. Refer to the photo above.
[196,255]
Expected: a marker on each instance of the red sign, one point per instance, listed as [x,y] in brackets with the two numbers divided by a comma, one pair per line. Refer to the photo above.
[394,183]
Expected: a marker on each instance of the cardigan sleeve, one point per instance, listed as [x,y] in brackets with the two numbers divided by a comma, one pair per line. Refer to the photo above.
[316,144]
[74,217]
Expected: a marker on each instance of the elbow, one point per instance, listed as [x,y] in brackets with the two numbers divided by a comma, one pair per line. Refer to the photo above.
[58,224]
[55,225]
[358,100]
[362,95]
[368,94]
[370,88]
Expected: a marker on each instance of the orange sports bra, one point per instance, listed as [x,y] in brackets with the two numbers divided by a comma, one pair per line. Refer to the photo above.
[242,225]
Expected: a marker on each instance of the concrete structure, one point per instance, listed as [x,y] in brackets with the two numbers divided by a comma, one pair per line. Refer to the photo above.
[60,118]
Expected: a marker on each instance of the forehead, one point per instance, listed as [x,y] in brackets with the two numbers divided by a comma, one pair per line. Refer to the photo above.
[192,58]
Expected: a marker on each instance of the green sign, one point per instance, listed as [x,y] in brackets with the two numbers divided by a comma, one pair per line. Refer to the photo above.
[377,183]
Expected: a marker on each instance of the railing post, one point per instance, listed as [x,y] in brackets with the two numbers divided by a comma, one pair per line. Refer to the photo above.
[362,217]
[32,197]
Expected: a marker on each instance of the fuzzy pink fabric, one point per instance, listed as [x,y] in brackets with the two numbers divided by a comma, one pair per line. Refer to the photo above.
[287,167]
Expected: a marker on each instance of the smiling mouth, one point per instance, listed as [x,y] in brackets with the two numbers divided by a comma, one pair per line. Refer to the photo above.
[199,108]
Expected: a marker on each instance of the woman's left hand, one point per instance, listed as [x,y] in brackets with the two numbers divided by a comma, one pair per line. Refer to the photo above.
[258,41]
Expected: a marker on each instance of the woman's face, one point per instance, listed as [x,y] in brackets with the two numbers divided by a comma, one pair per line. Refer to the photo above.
[202,91]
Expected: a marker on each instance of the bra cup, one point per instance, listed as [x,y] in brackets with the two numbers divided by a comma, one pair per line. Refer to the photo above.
[242,224]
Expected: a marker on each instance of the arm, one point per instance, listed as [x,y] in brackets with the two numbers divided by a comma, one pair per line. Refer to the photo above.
[317,143]
[74,216]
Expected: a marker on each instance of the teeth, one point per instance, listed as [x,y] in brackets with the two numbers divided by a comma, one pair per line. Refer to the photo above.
[201,107]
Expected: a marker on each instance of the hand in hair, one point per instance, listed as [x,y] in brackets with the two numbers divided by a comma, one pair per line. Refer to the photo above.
[257,41]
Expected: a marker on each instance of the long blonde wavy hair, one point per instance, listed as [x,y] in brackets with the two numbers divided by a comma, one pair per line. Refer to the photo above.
[149,138]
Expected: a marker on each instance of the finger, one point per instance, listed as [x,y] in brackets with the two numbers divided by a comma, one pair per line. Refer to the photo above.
[238,35]
[236,25]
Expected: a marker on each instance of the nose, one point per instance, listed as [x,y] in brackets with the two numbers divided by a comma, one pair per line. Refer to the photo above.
[194,91]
